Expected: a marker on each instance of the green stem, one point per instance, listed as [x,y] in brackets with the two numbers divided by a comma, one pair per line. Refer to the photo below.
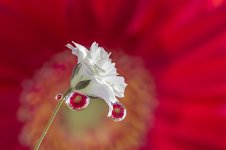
[57,108]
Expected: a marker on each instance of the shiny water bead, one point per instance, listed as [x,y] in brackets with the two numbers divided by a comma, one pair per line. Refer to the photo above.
[59,96]
[118,112]
[77,101]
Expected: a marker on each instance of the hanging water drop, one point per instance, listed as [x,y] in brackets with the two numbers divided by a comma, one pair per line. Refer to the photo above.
[118,112]
[77,101]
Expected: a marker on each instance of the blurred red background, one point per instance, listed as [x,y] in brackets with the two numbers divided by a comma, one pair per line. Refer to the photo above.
[183,45]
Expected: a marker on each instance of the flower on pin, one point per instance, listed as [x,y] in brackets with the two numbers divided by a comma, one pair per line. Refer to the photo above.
[95,76]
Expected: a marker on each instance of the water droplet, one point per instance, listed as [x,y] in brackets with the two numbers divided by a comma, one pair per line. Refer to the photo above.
[77,101]
[59,96]
[118,112]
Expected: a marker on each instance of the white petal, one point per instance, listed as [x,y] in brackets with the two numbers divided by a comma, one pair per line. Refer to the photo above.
[82,74]
[74,50]
[76,78]
[95,54]
[82,51]
[93,47]
[102,90]
[118,84]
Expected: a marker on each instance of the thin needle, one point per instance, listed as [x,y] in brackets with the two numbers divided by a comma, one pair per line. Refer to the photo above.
[57,108]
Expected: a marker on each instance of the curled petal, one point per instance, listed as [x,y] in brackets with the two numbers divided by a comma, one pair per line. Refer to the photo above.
[97,88]
[79,51]
[82,51]
[118,84]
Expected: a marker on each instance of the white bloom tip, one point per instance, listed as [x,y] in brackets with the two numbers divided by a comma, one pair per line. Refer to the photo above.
[98,68]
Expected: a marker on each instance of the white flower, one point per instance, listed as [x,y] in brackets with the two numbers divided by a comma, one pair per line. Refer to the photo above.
[96,72]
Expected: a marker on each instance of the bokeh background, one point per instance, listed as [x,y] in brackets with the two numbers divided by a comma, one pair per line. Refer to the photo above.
[180,44]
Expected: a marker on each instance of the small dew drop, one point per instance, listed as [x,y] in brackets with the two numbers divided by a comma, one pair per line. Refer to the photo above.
[59,96]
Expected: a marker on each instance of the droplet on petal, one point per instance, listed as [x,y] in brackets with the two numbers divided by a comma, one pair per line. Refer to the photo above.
[77,101]
[118,112]
[59,96]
